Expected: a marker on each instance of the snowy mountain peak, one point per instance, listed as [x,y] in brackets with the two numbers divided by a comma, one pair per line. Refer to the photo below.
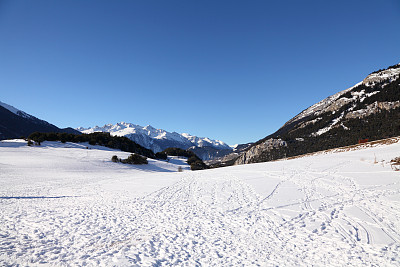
[150,128]
[16,111]
[157,139]
[204,141]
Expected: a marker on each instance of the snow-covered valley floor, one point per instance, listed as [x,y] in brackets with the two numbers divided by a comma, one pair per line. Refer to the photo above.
[63,205]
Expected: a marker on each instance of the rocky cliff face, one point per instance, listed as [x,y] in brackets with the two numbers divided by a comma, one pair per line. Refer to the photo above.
[370,109]
[383,76]
[253,154]
[229,158]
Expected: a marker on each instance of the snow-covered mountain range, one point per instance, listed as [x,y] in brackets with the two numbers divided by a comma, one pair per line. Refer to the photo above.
[158,139]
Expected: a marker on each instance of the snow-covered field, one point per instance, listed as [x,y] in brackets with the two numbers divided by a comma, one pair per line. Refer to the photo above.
[63,204]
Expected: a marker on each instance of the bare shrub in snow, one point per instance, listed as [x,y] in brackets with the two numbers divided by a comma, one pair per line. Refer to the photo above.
[395,163]
[135,159]
[115,159]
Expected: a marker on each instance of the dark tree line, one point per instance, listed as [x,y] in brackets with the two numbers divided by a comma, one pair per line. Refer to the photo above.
[193,160]
[132,159]
[390,67]
[123,144]
[98,138]
[381,125]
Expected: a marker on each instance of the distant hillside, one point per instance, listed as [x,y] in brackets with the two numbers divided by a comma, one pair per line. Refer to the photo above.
[369,110]
[15,123]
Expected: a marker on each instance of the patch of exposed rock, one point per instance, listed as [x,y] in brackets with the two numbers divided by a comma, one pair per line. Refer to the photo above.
[255,152]
[372,108]
[387,75]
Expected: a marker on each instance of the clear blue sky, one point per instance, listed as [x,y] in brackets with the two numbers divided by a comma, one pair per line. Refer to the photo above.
[229,70]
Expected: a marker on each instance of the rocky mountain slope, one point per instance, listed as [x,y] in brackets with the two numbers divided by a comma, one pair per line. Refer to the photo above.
[369,110]
[15,123]
[229,159]
[158,139]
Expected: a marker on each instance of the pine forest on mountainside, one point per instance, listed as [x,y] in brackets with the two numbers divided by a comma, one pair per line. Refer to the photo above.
[378,118]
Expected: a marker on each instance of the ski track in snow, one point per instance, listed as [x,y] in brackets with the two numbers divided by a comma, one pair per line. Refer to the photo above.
[81,209]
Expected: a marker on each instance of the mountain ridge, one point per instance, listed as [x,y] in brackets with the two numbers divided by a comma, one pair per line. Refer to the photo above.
[159,139]
[15,123]
[368,110]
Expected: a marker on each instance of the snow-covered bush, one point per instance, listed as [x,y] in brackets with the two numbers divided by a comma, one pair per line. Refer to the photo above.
[396,160]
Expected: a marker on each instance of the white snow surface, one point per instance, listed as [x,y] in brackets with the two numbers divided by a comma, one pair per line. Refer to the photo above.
[65,205]
[126,129]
